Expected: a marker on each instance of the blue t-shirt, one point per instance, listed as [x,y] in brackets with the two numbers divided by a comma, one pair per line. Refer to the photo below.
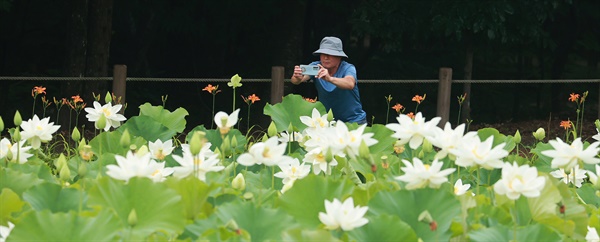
[345,104]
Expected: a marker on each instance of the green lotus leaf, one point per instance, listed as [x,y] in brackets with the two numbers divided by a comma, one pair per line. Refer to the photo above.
[157,207]
[289,111]
[17,181]
[587,192]
[409,204]
[10,203]
[498,138]
[194,194]
[110,142]
[535,232]
[384,136]
[307,197]
[301,235]
[196,229]
[148,128]
[55,198]
[384,228]
[173,120]
[261,223]
[37,167]
[47,226]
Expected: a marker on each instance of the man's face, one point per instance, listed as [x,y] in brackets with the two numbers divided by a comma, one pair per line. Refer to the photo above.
[330,61]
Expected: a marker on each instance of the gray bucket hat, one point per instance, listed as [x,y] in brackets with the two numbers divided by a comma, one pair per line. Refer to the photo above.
[331,46]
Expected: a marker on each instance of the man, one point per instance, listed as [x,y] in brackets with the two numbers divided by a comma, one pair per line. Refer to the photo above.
[336,82]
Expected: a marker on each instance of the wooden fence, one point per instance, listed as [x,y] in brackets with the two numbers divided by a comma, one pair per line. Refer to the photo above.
[277,80]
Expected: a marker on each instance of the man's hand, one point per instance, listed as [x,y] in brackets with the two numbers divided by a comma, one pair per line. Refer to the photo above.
[297,77]
[323,73]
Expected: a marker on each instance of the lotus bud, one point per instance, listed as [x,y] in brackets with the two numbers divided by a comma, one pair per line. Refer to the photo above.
[142,151]
[195,144]
[16,135]
[17,119]
[328,155]
[597,123]
[82,169]
[65,173]
[1,124]
[287,186]
[234,143]
[75,135]
[9,155]
[239,183]
[125,139]
[330,115]
[60,162]
[132,218]
[539,134]
[108,97]
[421,154]
[226,146]
[217,152]
[517,137]
[265,138]
[427,146]
[272,130]
[232,225]
[101,123]
[363,150]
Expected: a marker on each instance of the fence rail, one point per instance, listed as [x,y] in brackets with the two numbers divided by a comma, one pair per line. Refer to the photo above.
[277,80]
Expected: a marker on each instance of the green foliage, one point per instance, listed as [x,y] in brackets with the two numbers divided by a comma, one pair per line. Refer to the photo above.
[11,203]
[384,228]
[55,198]
[289,111]
[172,120]
[535,232]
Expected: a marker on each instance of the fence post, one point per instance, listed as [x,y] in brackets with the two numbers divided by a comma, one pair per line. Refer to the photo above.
[444,90]
[119,86]
[277,73]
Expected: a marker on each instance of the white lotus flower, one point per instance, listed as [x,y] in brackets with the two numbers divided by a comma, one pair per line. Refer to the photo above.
[566,156]
[419,176]
[137,166]
[110,112]
[292,170]
[269,153]
[38,131]
[198,165]
[448,139]
[596,136]
[473,152]
[413,131]
[576,175]
[16,150]
[159,149]
[5,231]
[285,137]
[459,188]
[316,121]
[519,180]
[592,235]
[317,158]
[225,122]
[343,215]
[594,177]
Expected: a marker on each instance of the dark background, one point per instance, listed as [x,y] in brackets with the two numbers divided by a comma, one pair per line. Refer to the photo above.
[385,39]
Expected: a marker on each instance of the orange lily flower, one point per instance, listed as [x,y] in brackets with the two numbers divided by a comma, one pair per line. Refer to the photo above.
[574,97]
[310,99]
[77,99]
[418,98]
[398,107]
[252,98]
[210,88]
[38,90]
[411,115]
[565,124]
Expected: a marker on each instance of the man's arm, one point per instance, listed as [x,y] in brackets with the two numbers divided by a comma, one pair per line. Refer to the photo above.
[346,82]
[297,77]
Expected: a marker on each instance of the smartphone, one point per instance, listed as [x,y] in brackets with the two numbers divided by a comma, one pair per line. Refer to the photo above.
[311,70]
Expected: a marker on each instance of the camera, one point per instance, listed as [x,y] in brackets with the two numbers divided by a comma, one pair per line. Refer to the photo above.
[311,70]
